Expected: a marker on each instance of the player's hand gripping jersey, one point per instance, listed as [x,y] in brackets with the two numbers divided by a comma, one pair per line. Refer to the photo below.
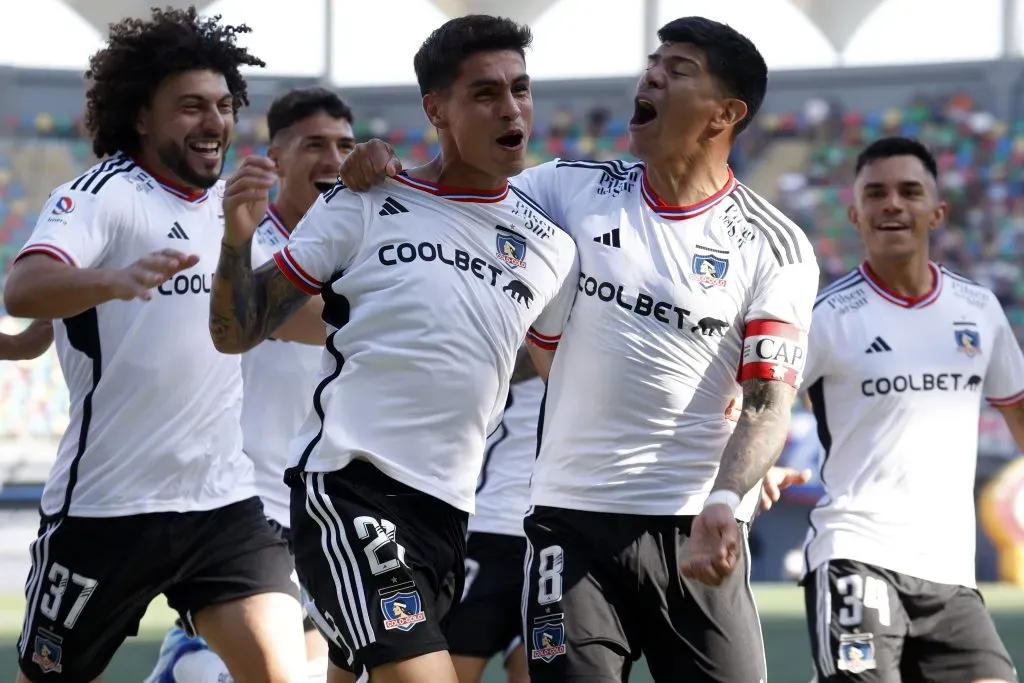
[154,414]
[896,387]
[673,305]
[428,293]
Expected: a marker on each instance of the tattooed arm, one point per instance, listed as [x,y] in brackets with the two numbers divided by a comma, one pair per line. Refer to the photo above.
[759,437]
[246,306]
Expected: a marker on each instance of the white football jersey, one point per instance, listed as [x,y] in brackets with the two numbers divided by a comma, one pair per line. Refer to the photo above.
[896,387]
[428,294]
[278,382]
[674,305]
[503,490]
[154,407]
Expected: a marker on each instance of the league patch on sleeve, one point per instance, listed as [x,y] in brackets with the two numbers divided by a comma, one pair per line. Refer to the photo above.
[773,350]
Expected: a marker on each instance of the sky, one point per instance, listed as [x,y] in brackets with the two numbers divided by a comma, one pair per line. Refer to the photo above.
[610,42]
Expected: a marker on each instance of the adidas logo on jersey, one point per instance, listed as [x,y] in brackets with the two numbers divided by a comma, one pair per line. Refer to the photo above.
[878,346]
[177,233]
[609,239]
[391,208]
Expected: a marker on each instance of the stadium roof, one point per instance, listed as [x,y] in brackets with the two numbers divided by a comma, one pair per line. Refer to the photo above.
[838,20]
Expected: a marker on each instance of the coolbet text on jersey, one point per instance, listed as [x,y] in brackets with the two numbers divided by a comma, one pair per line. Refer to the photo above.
[673,306]
[896,386]
[128,448]
[428,293]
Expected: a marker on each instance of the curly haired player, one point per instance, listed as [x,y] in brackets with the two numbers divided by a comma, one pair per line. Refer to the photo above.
[151,492]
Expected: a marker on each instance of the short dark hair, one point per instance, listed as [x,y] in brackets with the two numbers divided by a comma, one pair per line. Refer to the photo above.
[885,148]
[300,103]
[732,59]
[440,57]
[140,54]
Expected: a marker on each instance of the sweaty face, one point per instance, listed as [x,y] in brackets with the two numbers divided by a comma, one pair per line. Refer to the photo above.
[677,104]
[487,112]
[895,207]
[308,155]
[188,126]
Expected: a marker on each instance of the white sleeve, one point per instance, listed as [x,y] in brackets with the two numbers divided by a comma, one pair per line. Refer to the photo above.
[73,227]
[779,317]
[1004,379]
[547,329]
[541,184]
[325,241]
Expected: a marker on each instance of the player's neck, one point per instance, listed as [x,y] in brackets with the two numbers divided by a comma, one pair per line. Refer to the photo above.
[452,171]
[911,278]
[690,180]
[289,211]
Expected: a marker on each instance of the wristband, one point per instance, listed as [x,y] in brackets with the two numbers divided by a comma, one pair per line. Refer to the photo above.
[723,497]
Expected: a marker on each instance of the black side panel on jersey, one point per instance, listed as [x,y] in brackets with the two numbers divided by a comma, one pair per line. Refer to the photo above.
[490,449]
[336,314]
[84,336]
[816,394]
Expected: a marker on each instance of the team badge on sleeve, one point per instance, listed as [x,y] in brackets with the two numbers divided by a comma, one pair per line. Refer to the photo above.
[773,350]
[709,270]
[402,611]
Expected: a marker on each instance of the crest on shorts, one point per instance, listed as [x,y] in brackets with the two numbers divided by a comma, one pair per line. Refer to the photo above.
[402,610]
[856,652]
[709,270]
[548,641]
[967,341]
[511,248]
[47,651]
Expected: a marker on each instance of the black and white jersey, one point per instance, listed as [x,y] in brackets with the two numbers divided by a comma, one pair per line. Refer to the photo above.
[428,294]
[278,382]
[896,386]
[154,407]
[674,305]
[503,491]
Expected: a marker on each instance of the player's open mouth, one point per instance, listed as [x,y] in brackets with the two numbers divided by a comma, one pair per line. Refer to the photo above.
[892,226]
[511,141]
[643,113]
[210,149]
[324,184]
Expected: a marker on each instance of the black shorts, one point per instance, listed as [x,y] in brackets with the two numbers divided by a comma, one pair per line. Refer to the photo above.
[872,625]
[602,589]
[489,620]
[92,579]
[382,563]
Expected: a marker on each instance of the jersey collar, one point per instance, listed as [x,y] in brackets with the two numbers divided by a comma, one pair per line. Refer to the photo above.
[188,194]
[274,216]
[456,194]
[681,213]
[926,299]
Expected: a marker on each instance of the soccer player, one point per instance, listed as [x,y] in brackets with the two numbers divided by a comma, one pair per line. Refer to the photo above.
[488,620]
[430,284]
[151,492]
[900,354]
[642,490]
[30,343]
[310,133]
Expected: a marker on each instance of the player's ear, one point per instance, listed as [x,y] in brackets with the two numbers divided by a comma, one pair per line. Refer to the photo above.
[434,108]
[733,111]
[851,213]
[272,154]
[142,121]
[940,214]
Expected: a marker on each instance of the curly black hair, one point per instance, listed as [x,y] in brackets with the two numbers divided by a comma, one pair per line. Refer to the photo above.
[140,54]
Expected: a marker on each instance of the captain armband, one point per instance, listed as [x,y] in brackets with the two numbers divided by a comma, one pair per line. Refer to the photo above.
[773,350]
